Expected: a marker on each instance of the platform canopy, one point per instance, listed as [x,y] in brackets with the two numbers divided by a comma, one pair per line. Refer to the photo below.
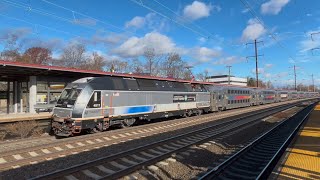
[13,71]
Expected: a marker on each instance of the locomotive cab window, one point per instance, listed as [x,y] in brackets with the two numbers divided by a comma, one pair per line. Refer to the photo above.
[95,100]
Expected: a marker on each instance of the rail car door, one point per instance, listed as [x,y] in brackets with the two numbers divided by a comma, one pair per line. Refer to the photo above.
[213,101]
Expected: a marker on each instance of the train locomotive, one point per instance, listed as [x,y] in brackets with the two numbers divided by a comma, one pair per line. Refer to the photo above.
[94,104]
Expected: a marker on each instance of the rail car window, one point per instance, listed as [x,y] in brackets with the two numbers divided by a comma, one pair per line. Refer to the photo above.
[170,84]
[95,100]
[178,86]
[146,84]
[161,85]
[118,83]
[208,87]
[188,87]
[203,89]
[132,84]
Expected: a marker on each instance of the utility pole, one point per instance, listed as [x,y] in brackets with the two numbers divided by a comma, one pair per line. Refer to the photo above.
[295,77]
[256,56]
[313,83]
[229,67]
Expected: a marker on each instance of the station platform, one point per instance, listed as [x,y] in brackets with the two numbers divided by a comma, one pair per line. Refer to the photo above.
[6,118]
[302,158]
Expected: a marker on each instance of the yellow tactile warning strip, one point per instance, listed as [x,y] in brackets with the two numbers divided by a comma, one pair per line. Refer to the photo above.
[317,108]
[303,161]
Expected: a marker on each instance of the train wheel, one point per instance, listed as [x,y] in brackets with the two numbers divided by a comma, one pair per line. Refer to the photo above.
[100,127]
[128,122]
[198,112]
[188,113]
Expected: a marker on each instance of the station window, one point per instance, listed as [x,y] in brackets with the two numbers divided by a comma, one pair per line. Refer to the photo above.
[95,100]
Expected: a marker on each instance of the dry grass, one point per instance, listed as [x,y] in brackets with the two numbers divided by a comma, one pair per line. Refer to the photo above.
[22,128]
[2,135]
[37,132]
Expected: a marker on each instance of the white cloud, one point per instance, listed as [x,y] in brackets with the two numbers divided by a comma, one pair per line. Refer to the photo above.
[204,54]
[136,46]
[149,21]
[198,10]
[245,10]
[260,71]
[273,7]
[107,39]
[253,31]
[162,44]
[268,65]
[229,60]
[202,40]
[136,22]
[267,75]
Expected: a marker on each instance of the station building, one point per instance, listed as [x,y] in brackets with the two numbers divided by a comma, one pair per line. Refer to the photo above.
[224,79]
[23,86]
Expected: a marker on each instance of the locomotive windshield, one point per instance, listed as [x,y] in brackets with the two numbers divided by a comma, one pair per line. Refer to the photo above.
[68,97]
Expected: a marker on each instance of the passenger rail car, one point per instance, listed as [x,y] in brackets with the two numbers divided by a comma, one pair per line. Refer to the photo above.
[94,104]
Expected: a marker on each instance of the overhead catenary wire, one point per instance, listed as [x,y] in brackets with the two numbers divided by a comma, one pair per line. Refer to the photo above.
[253,13]
[85,15]
[199,27]
[45,13]
[37,25]
[140,3]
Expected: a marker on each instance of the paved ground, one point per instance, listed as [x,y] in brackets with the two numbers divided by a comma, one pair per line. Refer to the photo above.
[23,116]
[302,160]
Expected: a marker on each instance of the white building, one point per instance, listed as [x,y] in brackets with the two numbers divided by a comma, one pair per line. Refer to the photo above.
[224,79]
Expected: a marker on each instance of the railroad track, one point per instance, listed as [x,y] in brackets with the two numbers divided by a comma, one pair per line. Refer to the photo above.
[257,159]
[124,163]
[33,155]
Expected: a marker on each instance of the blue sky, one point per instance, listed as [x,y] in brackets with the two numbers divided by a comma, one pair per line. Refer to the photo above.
[209,34]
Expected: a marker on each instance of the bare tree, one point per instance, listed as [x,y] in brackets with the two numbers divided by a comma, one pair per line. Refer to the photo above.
[10,55]
[252,83]
[10,41]
[117,66]
[97,63]
[73,56]
[202,76]
[36,55]
[136,66]
[187,75]
[173,66]
[152,61]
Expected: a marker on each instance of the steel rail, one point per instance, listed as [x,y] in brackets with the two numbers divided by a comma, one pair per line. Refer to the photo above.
[63,172]
[223,167]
